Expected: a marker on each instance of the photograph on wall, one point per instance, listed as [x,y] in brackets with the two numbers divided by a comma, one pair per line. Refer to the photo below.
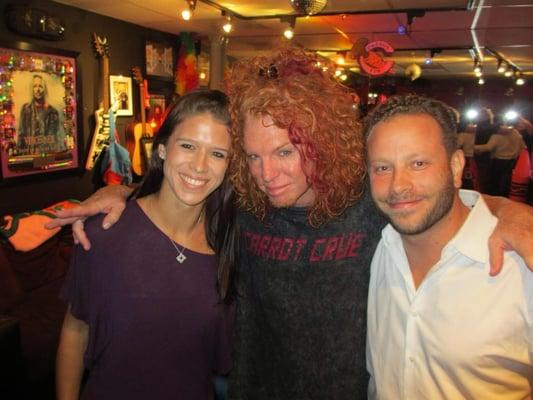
[38,112]
[159,60]
[157,110]
[121,95]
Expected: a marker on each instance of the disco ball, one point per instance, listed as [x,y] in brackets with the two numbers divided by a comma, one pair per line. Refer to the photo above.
[308,7]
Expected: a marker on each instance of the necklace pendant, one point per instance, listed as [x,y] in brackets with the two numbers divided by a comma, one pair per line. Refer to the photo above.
[181,258]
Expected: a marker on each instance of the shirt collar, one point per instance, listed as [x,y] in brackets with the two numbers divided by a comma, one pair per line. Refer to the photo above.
[473,237]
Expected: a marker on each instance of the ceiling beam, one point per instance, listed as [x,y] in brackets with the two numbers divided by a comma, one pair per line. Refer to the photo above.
[332,13]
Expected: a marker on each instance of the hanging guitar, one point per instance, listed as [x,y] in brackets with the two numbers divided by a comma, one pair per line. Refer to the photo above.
[100,138]
[135,133]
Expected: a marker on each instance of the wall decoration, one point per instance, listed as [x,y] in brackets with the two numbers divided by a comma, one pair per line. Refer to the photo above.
[371,56]
[159,60]
[39,110]
[121,95]
[187,71]
[29,21]
[157,110]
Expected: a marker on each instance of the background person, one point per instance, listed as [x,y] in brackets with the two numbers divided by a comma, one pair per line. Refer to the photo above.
[438,327]
[504,147]
[145,317]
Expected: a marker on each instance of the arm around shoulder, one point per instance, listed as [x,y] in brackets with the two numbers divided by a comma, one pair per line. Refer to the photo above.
[513,232]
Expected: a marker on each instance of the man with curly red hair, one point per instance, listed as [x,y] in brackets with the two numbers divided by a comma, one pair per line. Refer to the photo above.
[308,231]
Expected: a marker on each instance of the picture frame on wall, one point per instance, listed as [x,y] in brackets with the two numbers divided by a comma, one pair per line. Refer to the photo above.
[121,95]
[159,60]
[40,104]
[157,109]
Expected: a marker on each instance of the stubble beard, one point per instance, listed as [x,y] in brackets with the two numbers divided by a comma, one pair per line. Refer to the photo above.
[436,213]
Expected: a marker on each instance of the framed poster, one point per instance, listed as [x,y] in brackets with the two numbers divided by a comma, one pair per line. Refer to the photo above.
[121,95]
[159,60]
[40,110]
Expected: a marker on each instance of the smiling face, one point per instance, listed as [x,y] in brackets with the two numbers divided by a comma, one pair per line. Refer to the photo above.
[413,181]
[276,164]
[195,159]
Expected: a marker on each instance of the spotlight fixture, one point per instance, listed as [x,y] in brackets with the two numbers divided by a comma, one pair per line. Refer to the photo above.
[519,80]
[510,116]
[228,26]
[472,114]
[477,68]
[481,81]
[341,57]
[289,32]
[432,52]
[187,13]
[509,72]
[502,67]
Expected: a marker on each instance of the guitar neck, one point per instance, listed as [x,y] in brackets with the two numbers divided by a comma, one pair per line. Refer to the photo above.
[105,82]
[143,112]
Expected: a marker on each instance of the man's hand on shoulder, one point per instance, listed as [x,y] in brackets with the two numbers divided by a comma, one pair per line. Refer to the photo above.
[513,232]
[110,200]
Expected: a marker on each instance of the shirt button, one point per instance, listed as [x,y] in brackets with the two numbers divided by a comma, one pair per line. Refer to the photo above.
[414,314]
[412,359]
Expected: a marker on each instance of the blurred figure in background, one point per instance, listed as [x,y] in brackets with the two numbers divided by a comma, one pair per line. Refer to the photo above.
[466,139]
[485,127]
[504,147]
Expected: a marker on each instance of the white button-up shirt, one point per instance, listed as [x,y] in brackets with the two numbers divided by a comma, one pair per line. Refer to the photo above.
[462,334]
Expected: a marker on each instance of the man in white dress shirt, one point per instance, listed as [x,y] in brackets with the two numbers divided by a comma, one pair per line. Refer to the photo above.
[439,327]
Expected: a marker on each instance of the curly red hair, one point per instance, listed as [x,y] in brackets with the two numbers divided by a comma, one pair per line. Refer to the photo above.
[292,88]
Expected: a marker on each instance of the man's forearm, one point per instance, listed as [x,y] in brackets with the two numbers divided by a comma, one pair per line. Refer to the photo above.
[495,203]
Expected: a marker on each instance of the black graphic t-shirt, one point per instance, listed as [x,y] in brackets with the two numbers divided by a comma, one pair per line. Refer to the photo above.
[301,319]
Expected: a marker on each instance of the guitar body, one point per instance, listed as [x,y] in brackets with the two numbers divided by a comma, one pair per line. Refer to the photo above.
[134,134]
[100,138]
[137,131]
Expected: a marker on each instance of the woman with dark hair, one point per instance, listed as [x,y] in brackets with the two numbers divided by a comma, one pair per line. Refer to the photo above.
[148,309]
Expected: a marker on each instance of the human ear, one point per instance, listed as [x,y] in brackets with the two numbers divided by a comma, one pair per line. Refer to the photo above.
[457,164]
[162,151]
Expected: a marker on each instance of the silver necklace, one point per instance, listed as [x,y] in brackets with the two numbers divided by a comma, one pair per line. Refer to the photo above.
[180,257]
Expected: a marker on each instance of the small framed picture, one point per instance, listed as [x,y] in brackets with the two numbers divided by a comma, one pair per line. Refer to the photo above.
[157,110]
[121,95]
[159,60]
[146,150]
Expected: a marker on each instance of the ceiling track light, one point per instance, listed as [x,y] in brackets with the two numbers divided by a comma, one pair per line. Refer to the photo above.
[187,13]
[518,79]
[341,57]
[502,66]
[228,26]
[288,33]
[432,52]
[477,68]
